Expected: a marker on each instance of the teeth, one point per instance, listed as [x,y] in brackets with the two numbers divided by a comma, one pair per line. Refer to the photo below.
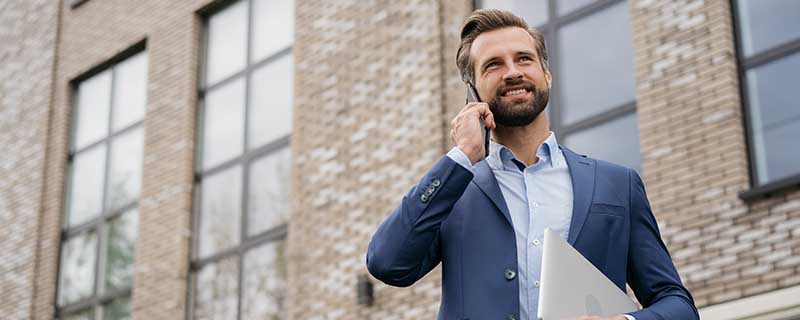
[513,92]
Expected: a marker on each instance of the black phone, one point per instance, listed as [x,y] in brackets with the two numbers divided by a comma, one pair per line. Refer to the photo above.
[472,96]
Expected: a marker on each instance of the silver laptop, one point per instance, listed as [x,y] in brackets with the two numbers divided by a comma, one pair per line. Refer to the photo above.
[571,286]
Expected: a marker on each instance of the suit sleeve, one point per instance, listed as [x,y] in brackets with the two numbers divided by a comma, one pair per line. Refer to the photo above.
[651,273]
[406,246]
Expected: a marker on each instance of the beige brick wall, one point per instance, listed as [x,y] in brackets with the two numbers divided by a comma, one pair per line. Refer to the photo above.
[91,35]
[375,88]
[694,155]
[27,52]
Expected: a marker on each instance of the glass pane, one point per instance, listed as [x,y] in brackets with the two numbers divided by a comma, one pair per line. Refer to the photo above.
[775,117]
[533,11]
[121,246]
[86,187]
[93,98]
[223,125]
[271,102]
[130,91]
[227,42]
[265,282]
[76,278]
[119,309]
[596,64]
[766,24]
[268,200]
[616,141]
[84,315]
[125,169]
[567,6]
[216,296]
[273,27]
[220,211]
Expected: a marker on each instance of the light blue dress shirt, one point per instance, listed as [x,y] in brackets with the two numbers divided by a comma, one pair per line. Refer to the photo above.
[538,197]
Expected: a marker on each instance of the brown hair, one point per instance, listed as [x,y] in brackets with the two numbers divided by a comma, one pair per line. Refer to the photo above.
[485,20]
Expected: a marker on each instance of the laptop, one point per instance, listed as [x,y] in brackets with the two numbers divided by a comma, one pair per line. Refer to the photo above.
[572,287]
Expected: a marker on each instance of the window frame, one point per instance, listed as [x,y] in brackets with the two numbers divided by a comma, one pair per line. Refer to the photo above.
[99,298]
[744,64]
[246,159]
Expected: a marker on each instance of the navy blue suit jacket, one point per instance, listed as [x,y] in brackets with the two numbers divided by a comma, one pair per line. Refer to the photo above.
[462,221]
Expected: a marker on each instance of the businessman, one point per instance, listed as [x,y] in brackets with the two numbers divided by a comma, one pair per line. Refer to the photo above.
[483,216]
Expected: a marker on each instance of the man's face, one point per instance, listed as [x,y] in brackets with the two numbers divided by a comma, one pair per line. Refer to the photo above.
[509,76]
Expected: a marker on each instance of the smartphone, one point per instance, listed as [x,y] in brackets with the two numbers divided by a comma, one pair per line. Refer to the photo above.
[472,96]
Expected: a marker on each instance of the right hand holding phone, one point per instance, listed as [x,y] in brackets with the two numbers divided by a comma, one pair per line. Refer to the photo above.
[466,129]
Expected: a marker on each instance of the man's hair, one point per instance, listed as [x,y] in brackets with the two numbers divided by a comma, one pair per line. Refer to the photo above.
[485,20]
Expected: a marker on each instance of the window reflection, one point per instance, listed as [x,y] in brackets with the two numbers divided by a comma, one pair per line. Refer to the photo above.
[125,169]
[130,91]
[269,192]
[616,141]
[93,106]
[86,187]
[775,117]
[599,79]
[533,11]
[271,97]
[766,24]
[265,282]
[122,234]
[220,211]
[273,27]
[77,268]
[227,38]
[216,296]
[223,126]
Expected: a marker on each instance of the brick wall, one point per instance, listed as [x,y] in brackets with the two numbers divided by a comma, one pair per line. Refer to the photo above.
[27,49]
[375,90]
[91,34]
[694,155]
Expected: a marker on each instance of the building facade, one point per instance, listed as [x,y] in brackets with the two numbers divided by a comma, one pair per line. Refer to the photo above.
[199,159]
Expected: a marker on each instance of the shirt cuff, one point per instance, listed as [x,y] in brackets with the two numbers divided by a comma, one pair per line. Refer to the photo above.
[459,157]
[629,317]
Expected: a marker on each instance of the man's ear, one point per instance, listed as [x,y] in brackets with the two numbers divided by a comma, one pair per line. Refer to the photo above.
[549,78]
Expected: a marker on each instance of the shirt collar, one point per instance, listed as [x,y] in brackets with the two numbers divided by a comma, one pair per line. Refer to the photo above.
[502,158]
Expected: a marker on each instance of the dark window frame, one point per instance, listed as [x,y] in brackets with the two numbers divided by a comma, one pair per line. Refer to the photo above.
[99,224]
[249,156]
[744,64]
[550,29]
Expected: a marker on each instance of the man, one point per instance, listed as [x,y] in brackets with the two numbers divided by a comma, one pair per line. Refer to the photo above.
[484,219]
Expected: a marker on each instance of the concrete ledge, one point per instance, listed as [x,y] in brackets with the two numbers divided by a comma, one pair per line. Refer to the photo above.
[775,305]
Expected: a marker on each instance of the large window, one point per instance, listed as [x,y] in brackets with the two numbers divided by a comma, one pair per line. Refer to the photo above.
[769,58]
[243,169]
[593,101]
[100,215]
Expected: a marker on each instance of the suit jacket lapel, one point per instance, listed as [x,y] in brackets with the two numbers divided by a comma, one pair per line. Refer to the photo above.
[484,178]
[581,171]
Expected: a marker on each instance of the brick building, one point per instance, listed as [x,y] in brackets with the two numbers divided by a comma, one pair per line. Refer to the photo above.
[134,133]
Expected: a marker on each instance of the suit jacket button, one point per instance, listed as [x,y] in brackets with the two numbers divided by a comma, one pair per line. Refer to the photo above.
[424,198]
[510,274]
[512,317]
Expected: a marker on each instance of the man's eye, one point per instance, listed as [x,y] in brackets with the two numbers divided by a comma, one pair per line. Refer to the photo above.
[526,59]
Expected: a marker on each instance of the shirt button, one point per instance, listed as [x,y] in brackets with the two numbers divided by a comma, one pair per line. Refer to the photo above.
[536,242]
[537,283]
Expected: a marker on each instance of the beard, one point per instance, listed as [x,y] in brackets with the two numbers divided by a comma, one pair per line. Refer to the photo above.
[519,112]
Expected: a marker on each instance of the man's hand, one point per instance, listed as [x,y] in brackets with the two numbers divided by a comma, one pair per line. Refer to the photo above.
[601,318]
[466,131]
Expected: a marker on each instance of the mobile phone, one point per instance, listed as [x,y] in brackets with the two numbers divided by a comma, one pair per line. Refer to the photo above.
[472,96]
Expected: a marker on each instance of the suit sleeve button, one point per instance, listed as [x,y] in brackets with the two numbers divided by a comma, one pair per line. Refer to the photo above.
[436,182]
[510,274]
[424,198]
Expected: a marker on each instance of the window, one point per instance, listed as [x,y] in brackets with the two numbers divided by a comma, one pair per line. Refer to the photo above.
[593,100]
[769,59]
[100,215]
[243,169]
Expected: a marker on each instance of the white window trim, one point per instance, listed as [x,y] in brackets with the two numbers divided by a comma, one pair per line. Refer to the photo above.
[776,305]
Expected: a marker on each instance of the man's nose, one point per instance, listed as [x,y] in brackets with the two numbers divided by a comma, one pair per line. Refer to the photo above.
[512,73]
